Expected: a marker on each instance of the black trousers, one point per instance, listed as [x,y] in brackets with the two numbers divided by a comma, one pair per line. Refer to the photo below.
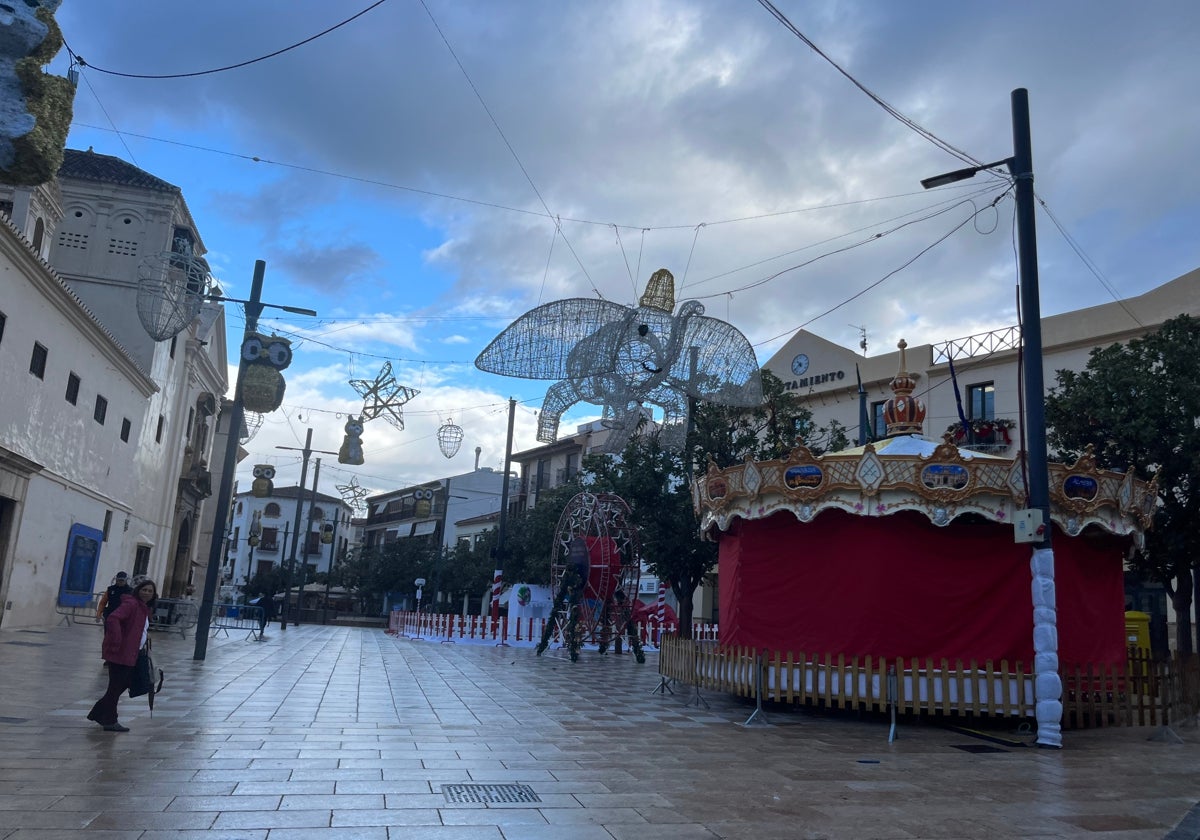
[105,710]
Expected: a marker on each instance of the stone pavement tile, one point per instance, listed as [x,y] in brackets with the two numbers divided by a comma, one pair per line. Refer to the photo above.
[340,774]
[225,803]
[347,801]
[452,832]
[343,833]
[582,816]
[557,832]
[88,803]
[57,834]
[379,786]
[493,816]
[276,775]
[185,834]
[504,774]
[675,831]
[420,800]
[382,817]
[254,787]
[15,802]
[163,820]
[644,799]
[271,819]
[150,786]
[46,819]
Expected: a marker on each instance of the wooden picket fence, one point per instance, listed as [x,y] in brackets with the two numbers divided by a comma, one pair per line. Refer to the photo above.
[454,628]
[1146,692]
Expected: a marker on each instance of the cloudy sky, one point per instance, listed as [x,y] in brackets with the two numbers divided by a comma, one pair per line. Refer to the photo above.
[429,171]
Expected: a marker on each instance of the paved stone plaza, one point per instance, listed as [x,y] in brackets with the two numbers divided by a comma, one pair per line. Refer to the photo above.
[348,733]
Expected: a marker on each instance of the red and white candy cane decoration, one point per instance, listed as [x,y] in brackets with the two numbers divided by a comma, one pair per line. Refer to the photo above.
[662,602]
[497,585]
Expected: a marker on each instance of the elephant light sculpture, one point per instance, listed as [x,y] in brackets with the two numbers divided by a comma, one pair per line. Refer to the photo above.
[623,358]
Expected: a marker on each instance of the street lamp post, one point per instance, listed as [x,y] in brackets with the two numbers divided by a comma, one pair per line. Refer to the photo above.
[312,503]
[254,308]
[306,453]
[1047,682]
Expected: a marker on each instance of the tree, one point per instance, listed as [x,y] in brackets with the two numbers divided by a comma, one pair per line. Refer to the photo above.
[657,483]
[1138,405]
[651,481]
[529,540]
[728,434]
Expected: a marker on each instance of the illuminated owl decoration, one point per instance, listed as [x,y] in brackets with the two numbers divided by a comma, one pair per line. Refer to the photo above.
[262,383]
[424,502]
[351,451]
[264,480]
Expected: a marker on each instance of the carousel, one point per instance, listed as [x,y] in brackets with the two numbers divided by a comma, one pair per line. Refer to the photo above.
[905,548]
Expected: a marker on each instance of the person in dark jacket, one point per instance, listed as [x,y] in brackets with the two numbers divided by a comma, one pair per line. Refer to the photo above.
[125,634]
[111,599]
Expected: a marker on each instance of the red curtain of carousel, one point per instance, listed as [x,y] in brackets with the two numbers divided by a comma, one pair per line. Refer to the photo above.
[899,586]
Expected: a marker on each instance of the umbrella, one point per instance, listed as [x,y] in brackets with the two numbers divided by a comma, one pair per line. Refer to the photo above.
[144,674]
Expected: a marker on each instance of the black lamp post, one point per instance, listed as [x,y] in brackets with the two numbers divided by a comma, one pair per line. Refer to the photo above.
[1047,682]
[254,308]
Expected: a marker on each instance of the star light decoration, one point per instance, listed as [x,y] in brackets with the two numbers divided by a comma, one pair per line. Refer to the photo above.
[383,397]
[354,495]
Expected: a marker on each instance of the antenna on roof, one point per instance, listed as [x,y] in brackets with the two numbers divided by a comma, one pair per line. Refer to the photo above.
[863,332]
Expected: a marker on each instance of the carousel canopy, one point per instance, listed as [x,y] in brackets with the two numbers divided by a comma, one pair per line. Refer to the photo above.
[907,472]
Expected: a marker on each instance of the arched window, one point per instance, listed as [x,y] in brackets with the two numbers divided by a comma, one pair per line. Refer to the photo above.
[271,511]
[39,231]
[317,513]
[239,509]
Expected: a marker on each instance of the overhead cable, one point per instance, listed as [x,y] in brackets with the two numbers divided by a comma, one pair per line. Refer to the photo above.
[79,59]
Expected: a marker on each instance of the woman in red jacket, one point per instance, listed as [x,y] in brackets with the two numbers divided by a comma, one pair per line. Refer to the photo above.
[125,632]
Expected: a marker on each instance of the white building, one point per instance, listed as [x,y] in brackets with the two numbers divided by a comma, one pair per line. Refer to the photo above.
[554,464]
[105,434]
[986,366]
[278,519]
[431,510]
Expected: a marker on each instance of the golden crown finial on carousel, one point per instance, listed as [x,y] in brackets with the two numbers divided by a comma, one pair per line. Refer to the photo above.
[904,413]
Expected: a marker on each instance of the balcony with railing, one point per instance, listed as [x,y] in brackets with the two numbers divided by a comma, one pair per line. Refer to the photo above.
[993,436]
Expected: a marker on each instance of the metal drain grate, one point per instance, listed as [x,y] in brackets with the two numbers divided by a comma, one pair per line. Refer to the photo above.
[489,793]
[977,748]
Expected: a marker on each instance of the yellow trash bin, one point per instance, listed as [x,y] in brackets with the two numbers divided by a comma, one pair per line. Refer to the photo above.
[1137,631]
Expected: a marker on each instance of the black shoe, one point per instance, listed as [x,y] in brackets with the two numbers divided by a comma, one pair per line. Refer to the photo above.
[116,727]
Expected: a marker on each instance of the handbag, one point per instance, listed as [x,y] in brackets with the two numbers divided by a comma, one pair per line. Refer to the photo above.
[144,674]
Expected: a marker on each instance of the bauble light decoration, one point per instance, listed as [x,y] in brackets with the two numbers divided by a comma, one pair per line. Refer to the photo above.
[450,438]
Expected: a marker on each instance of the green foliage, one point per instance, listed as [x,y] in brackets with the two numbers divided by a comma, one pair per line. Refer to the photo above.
[50,99]
[728,434]
[1138,406]
[530,538]
[264,583]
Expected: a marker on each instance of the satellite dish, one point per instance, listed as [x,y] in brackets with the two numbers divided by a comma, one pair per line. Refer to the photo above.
[171,289]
